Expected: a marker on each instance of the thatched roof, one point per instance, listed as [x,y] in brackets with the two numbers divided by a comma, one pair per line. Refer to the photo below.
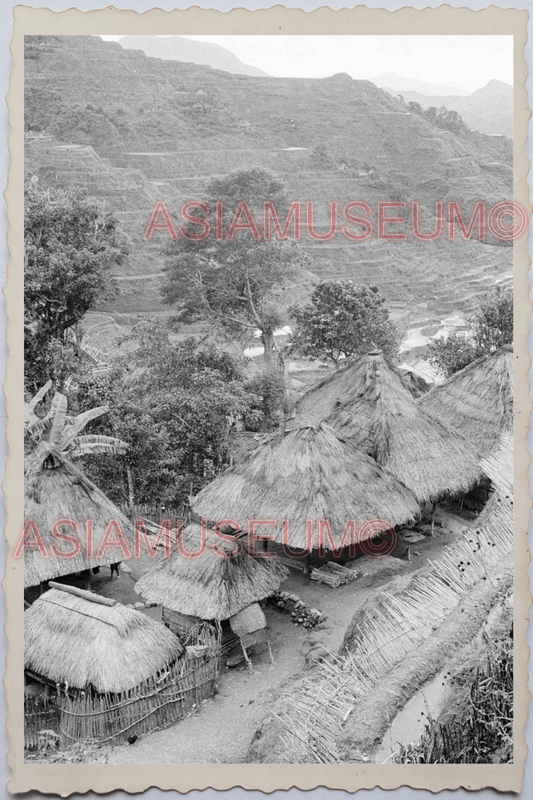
[369,405]
[499,468]
[70,639]
[499,465]
[215,585]
[242,443]
[477,401]
[309,473]
[413,381]
[64,492]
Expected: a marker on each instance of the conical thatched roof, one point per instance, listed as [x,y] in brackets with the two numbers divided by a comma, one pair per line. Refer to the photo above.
[369,405]
[215,585]
[309,473]
[477,401]
[59,492]
[70,639]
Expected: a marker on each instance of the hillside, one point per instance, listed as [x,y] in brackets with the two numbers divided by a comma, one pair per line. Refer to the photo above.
[135,129]
[178,48]
[397,83]
[488,110]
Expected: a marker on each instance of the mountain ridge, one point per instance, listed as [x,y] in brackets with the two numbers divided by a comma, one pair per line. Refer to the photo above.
[145,129]
[179,48]
[488,110]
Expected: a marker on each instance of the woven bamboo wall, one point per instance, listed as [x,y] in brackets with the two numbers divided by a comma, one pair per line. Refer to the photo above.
[158,702]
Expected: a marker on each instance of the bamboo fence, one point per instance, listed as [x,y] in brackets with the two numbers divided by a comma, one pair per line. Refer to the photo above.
[159,701]
[313,718]
[40,714]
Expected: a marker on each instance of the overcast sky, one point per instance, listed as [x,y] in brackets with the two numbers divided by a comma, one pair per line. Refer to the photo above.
[465,62]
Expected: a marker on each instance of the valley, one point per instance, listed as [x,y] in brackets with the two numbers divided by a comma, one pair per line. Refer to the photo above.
[166,128]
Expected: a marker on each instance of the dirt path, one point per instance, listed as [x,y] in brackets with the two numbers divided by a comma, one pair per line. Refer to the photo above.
[222,728]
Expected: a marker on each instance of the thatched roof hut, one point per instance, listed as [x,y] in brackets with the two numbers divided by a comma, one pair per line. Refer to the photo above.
[224,579]
[369,405]
[57,490]
[68,639]
[309,473]
[477,401]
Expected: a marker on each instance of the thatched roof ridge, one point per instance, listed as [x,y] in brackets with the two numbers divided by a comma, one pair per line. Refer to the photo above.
[211,586]
[321,399]
[371,407]
[64,492]
[70,639]
[308,473]
[477,401]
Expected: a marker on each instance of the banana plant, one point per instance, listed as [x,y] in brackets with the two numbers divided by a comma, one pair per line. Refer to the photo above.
[57,435]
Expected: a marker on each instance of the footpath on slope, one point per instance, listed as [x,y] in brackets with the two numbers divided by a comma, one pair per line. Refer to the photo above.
[222,728]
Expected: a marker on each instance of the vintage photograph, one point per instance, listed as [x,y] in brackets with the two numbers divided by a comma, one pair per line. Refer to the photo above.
[268,399]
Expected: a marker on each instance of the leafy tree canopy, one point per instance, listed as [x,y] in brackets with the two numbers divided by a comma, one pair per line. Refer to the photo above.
[453,353]
[69,249]
[174,404]
[343,320]
[490,328]
[236,283]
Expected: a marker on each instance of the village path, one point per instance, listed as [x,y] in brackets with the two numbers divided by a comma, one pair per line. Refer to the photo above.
[221,729]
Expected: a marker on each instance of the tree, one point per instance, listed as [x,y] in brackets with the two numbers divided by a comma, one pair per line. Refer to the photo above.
[490,328]
[236,283]
[57,437]
[343,320]
[452,353]
[174,404]
[493,324]
[70,247]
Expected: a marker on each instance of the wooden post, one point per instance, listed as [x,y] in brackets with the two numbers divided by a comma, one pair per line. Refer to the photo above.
[433,510]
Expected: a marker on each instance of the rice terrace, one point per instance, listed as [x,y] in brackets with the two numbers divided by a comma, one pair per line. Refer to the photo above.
[268,480]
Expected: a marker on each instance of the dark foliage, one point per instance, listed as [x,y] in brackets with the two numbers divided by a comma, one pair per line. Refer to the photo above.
[70,247]
[343,320]
[490,328]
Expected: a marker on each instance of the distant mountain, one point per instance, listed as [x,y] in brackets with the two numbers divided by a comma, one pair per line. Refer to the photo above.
[397,83]
[487,110]
[135,130]
[177,48]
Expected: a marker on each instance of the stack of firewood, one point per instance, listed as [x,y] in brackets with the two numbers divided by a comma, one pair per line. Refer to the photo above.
[333,574]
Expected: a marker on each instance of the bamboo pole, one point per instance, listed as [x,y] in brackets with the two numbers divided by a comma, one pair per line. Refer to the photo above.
[91,596]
